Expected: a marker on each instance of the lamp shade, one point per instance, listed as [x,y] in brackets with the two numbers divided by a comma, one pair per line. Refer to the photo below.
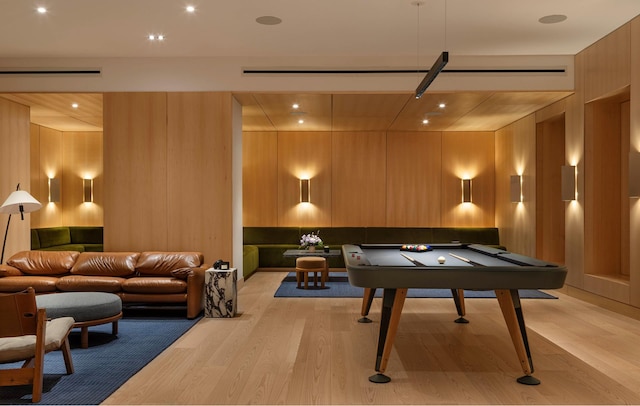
[20,201]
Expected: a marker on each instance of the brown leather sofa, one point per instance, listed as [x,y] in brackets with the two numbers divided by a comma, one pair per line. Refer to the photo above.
[137,277]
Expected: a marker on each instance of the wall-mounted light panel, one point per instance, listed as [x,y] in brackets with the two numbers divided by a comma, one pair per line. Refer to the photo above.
[634,174]
[466,190]
[568,175]
[304,191]
[54,190]
[516,188]
[87,190]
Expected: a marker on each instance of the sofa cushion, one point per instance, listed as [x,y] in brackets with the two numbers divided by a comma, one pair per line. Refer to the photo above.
[155,263]
[40,284]
[43,262]
[6,270]
[92,283]
[156,285]
[106,263]
[53,236]
[181,273]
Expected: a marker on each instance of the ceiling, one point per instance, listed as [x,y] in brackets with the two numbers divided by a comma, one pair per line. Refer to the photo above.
[344,29]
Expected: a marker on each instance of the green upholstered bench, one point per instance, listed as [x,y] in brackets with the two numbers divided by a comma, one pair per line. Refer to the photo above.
[272,242]
[72,238]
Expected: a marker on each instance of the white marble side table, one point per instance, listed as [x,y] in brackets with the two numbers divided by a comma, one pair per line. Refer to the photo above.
[220,292]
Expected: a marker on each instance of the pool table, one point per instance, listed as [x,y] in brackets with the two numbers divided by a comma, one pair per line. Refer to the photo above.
[395,269]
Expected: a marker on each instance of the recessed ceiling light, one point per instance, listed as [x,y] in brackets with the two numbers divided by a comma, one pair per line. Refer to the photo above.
[442,105]
[425,121]
[268,20]
[301,121]
[552,19]
[74,105]
[190,9]
[295,105]
[156,37]
[41,10]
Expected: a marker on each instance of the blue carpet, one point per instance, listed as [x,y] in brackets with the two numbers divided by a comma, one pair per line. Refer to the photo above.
[105,365]
[339,286]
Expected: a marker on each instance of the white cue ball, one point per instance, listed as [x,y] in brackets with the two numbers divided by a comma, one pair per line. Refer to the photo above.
[441,260]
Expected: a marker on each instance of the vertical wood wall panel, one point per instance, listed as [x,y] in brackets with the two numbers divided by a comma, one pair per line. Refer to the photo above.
[602,192]
[260,179]
[82,158]
[515,155]
[468,155]
[414,178]
[50,165]
[198,174]
[624,188]
[14,169]
[358,179]
[634,135]
[135,167]
[607,64]
[304,155]
[550,227]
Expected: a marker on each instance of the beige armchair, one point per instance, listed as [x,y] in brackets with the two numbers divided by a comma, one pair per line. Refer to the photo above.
[26,335]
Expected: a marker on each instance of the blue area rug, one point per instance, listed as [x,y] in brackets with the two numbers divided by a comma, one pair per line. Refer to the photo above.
[339,286]
[105,365]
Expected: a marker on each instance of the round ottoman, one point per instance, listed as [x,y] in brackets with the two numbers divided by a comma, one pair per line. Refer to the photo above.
[304,265]
[87,308]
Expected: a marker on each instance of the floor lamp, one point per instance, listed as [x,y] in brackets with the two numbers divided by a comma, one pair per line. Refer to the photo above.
[17,202]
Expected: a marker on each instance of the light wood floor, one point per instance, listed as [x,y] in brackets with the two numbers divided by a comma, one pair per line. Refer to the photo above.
[312,351]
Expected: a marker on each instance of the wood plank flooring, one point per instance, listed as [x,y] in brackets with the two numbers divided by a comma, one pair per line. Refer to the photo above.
[312,351]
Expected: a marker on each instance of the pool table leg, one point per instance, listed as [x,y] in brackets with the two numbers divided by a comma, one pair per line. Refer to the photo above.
[458,298]
[367,299]
[509,301]
[392,303]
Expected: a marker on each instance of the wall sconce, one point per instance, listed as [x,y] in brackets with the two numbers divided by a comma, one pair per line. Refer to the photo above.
[54,190]
[466,190]
[568,182]
[634,174]
[516,188]
[87,190]
[304,190]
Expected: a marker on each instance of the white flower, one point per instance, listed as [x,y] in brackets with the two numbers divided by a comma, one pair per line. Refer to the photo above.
[310,239]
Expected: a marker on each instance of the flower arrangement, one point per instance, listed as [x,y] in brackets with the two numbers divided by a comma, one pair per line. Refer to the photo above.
[311,240]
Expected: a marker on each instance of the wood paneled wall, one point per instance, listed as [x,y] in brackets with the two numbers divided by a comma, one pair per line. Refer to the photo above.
[414,179]
[14,169]
[369,179]
[69,157]
[359,180]
[468,155]
[135,167]
[168,172]
[515,155]
[304,155]
[259,175]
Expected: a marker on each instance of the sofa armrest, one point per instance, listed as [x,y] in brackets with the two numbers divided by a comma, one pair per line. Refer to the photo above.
[8,270]
[195,292]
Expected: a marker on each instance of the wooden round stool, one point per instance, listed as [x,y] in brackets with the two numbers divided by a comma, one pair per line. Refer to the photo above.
[304,265]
